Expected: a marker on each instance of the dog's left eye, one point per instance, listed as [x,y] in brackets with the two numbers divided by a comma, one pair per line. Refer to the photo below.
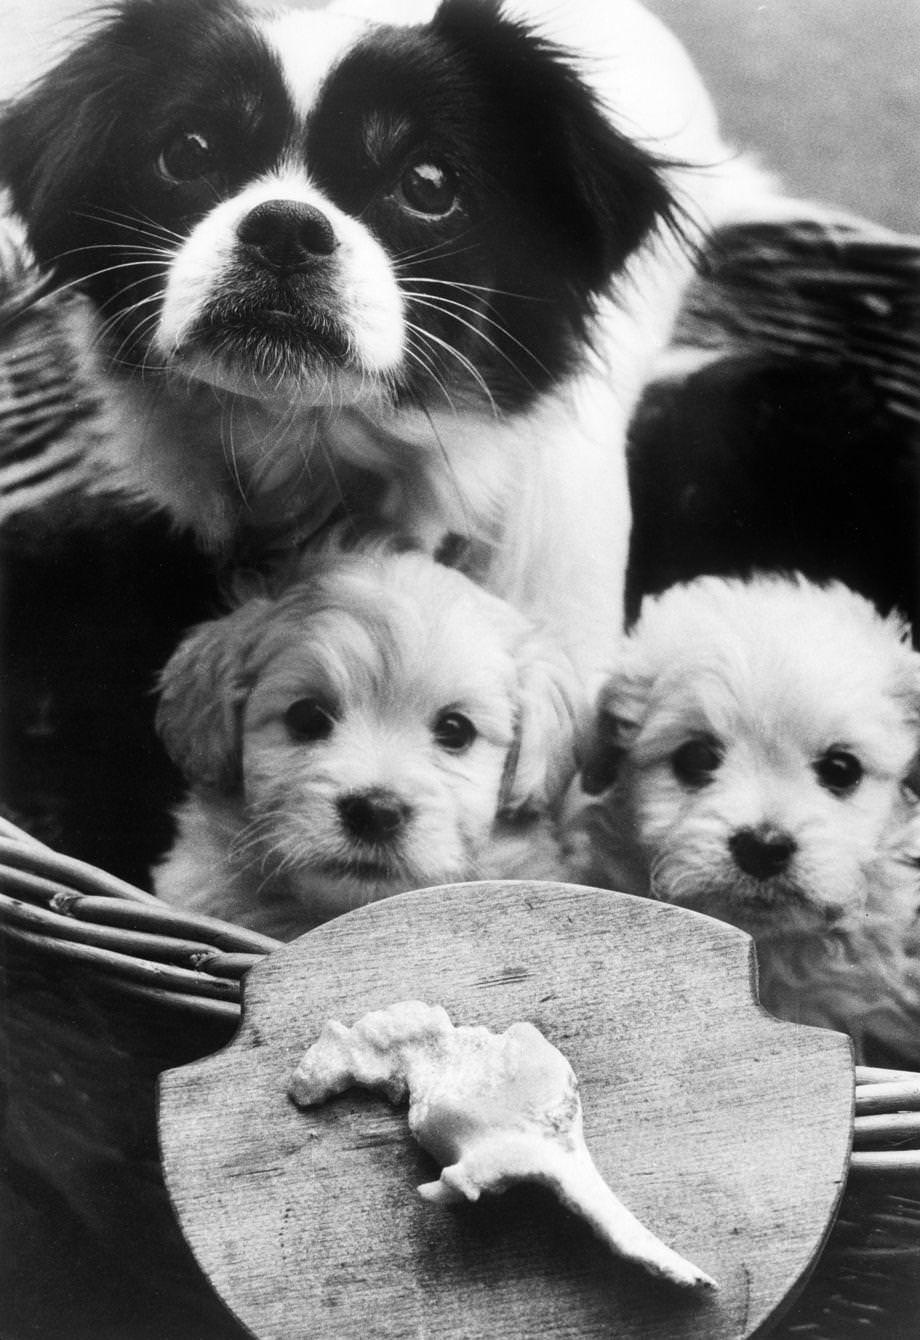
[187,157]
[454,732]
[695,761]
[839,771]
[307,720]
[428,188]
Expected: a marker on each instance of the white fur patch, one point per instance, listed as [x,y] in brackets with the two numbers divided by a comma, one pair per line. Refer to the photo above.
[308,45]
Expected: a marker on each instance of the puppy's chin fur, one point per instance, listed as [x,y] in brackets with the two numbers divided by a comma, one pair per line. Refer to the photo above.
[203,874]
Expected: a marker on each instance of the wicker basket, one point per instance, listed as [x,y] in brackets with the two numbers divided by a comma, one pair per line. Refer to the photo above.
[103,988]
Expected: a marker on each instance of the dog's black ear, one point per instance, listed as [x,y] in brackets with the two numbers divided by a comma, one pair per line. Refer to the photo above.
[53,140]
[607,747]
[203,690]
[599,191]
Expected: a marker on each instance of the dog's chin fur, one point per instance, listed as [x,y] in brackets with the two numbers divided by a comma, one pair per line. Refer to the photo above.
[464,368]
[775,672]
[388,646]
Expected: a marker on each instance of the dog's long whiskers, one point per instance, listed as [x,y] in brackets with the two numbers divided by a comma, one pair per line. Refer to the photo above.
[446,250]
[129,337]
[466,363]
[442,303]
[487,289]
[134,249]
[142,224]
[428,366]
[72,285]
[452,474]
[228,447]
[121,316]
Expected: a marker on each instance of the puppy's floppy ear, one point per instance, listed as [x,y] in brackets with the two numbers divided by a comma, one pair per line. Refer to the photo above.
[203,690]
[541,762]
[605,752]
[616,722]
[595,188]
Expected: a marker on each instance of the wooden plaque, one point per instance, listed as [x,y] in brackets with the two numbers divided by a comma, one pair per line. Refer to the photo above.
[724,1130]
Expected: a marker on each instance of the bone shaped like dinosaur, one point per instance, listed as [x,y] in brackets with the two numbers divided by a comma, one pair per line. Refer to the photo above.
[492,1108]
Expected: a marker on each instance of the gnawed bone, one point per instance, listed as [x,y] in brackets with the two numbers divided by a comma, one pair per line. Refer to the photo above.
[491,1108]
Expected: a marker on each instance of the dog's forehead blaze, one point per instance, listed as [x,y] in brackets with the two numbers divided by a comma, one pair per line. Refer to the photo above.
[308,46]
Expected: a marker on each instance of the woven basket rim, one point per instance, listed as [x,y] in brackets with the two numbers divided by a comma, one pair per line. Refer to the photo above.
[70,912]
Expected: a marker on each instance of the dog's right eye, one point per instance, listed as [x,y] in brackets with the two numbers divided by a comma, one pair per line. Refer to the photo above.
[307,720]
[187,157]
[695,761]
[839,771]
[428,188]
[454,732]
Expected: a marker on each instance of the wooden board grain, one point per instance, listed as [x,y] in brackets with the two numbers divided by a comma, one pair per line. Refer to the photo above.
[726,1131]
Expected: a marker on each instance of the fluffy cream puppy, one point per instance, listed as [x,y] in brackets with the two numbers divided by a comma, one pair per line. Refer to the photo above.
[758,750]
[381,724]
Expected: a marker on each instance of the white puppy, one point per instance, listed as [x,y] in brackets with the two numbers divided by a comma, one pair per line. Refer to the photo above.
[758,742]
[382,724]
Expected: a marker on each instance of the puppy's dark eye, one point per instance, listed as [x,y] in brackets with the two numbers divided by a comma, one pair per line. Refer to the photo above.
[428,188]
[454,732]
[695,761]
[307,720]
[187,157]
[839,771]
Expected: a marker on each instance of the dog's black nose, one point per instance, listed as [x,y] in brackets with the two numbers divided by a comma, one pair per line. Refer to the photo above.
[287,236]
[761,852]
[373,816]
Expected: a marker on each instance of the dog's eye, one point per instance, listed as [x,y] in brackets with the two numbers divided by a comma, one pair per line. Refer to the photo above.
[428,188]
[306,720]
[695,761]
[454,732]
[187,157]
[839,771]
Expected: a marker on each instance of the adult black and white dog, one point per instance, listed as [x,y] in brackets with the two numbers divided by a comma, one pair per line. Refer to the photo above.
[408,257]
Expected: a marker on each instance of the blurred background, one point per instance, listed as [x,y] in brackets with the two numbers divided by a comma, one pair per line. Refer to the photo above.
[827,91]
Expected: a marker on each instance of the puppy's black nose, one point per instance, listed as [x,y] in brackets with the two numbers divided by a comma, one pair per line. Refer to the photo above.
[373,816]
[287,236]
[761,852]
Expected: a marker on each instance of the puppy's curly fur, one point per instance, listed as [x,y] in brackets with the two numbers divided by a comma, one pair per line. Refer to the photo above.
[380,724]
[759,744]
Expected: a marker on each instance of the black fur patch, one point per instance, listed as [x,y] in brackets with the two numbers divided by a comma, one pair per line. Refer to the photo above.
[552,198]
[757,462]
